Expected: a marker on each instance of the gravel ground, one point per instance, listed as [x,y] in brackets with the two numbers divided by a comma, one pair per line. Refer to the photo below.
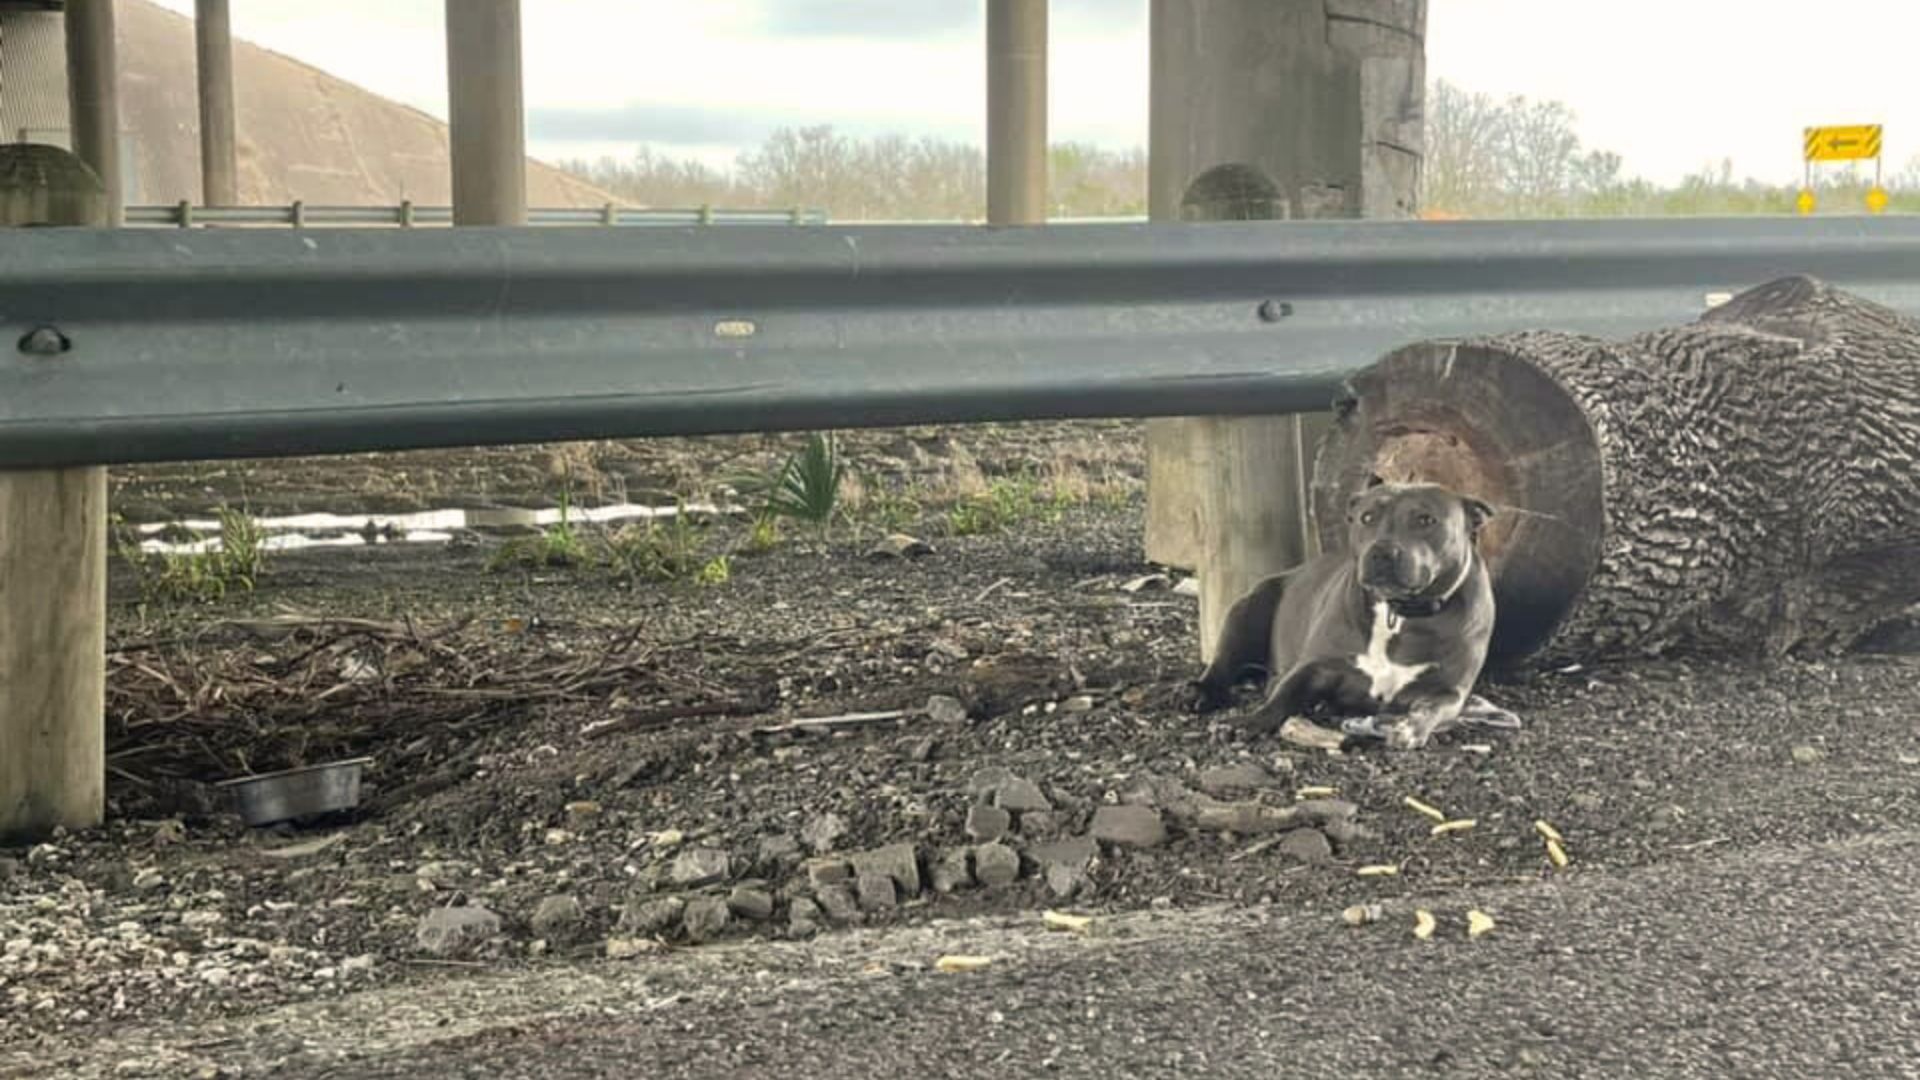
[719,882]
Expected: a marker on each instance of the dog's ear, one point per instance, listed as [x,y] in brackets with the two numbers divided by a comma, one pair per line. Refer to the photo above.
[1478,513]
[1374,480]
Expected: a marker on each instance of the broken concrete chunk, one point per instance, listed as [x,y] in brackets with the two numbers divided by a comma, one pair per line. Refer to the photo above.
[1129,826]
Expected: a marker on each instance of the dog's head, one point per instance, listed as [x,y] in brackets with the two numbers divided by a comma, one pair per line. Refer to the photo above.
[1412,540]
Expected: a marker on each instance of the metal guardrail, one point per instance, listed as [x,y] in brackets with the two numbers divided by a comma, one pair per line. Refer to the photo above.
[142,346]
[299,214]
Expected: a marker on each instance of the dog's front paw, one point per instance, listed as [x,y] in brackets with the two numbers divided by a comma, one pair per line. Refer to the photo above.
[1200,697]
[1407,735]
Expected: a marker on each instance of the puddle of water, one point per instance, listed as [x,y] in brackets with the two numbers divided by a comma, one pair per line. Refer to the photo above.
[295,532]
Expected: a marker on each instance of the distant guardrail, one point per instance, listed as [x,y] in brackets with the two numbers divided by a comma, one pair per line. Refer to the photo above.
[185,215]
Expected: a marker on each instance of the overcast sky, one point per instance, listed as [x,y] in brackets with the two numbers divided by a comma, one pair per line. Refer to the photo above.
[1671,85]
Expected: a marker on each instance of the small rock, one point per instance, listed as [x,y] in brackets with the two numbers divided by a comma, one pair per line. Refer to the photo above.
[1300,731]
[750,903]
[1008,791]
[803,917]
[216,976]
[898,862]
[1021,796]
[921,750]
[1039,824]
[9,869]
[1307,845]
[698,866]
[583,811]
[1078,703]
[823,832]
[42,855]
[953,871]
[876,892]
[1146,582]
[202,918]
[557,837]
[1805,754]
[442,874]
[355,965]
[942,709]
[838,902]
[1074,852]
[1187,587]
[557,918]
[987,823]
[448,931]
[1346,833]
[995,864]
[1587,802]
[899,546]
[1064,881]
[823,872]
[778,850]
[651,916]
[1223,780]
[666,839]
[706,917]
[148,880]
[621,948]
[1129,826]
[1322,811]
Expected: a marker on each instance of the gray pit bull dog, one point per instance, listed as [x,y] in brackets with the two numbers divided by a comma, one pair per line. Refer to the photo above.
[1389,635]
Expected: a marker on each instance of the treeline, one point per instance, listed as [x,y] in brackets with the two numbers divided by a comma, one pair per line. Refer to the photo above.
[887,178]
[1485,157]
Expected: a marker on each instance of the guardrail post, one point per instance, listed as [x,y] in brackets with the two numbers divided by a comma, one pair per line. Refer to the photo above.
[486,118]
[93,96]
[219,161]
[1016,112]
[1265,111]
[53,564]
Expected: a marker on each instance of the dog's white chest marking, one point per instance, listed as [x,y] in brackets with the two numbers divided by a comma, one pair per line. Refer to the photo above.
[1388,677]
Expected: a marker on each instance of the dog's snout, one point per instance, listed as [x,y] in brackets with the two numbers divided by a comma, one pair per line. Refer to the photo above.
[1382,557]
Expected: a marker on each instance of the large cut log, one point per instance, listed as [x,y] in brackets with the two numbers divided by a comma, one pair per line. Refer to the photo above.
[1747,483]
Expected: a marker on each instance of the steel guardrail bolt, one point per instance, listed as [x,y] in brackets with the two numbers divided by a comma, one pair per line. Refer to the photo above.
[1274,310]
[44,341]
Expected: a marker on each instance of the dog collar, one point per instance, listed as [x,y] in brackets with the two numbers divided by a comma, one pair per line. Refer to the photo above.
[1425,607]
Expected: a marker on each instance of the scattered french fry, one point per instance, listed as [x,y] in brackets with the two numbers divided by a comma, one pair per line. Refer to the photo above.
[1423,924]
[962,963]
[1454,826]
[1060,920]
[1546,830]
[1378,870]
[1557,854]
[1478,922]
[1419,807]
[1318,792]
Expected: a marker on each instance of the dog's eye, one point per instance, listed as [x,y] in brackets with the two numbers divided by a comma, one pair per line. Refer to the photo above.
[1424,521]
[1369,517]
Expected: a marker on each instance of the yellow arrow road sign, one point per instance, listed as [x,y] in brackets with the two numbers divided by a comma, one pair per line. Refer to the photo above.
[1855,142]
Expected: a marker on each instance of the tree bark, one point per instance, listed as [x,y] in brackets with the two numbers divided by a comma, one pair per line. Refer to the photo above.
[1745,484]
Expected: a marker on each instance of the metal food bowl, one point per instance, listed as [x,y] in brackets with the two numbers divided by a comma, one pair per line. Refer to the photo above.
[297,793]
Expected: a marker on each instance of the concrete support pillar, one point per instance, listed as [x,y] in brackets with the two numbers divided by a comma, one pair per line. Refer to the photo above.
[93,96]
[1016,112]
[1266,110]
[486,116]
[53,567]
[219,158]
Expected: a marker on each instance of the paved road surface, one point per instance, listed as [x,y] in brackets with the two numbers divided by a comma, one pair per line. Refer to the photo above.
[1795,963]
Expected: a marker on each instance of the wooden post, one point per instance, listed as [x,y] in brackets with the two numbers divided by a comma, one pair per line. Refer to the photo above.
[53,566]
[219,158]
[486,116]
[1016,112]
[1263,110]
